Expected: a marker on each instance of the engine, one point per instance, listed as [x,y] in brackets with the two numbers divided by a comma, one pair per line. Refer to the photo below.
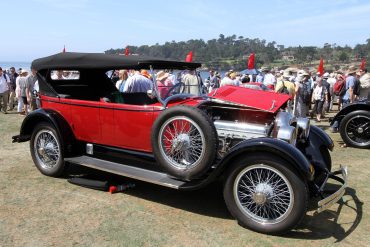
[284,127]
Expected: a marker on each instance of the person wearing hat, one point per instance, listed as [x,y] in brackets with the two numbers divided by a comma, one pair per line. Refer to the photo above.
[163,83]
[228,79]
[4,91]
[349,96]
[20,91]
[302,94]
[285,83]
[137,83]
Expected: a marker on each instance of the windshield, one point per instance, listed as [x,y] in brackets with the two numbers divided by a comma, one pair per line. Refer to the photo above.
[174,82]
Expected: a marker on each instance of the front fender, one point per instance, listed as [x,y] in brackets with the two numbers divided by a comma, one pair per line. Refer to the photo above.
[316,148]
[350,108]
[278,147]
[50,116]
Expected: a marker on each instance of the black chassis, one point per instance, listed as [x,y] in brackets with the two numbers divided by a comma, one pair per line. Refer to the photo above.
[310,159]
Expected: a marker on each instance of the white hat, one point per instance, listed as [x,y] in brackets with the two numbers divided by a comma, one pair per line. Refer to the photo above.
[326,75]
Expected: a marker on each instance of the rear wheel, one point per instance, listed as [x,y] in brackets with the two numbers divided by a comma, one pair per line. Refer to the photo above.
[265,195]
[47,150]
[355,129]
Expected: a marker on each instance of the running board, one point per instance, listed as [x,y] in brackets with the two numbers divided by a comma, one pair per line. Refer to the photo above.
[127,171]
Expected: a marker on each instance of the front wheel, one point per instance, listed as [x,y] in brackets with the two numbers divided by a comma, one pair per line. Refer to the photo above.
[355,129]
[265,195]
[47,150]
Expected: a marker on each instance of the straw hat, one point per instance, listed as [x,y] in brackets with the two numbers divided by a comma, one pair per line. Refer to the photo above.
[161,75]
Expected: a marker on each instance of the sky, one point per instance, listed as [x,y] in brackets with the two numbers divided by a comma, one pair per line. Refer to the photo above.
[37,28]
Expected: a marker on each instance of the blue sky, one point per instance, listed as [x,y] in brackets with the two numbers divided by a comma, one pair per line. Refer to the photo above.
[36,28]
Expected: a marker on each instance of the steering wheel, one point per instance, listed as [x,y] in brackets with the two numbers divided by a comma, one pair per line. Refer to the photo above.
[175,87]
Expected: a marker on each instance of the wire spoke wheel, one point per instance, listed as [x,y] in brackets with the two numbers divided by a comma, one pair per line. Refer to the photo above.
[181,142]
[46,149]
[264,194]
[358,129]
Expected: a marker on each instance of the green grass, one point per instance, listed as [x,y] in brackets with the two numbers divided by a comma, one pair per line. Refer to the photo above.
[36,210]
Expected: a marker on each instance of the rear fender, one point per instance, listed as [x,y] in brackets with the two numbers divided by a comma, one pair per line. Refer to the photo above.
[52,117]
[268,145]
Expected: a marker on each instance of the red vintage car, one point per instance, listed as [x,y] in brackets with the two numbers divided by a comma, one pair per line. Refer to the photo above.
[271,163]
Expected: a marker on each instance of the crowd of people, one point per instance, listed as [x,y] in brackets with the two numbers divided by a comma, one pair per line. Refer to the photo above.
[17,90]
[309,90]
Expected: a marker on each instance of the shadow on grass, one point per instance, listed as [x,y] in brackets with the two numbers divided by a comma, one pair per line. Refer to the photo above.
[326,225]
[209,202]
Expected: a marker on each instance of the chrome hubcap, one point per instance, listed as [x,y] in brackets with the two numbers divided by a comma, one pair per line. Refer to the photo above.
[263,194]
[47,150]
[181,142]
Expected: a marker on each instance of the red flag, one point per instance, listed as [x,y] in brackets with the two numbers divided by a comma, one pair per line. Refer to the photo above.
[363,64]
[251,61]
[189,57]
[127,51]
[64,49]
[320,69]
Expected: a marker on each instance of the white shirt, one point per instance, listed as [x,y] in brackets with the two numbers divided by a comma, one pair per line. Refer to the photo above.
[227,81]
[4,83]
[269,79]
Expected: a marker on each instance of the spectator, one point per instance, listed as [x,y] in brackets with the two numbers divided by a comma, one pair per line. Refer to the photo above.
[319,96]
[364,84]
[302,94]
[213,81]
[4,91]
[163,83]
[20,91]
[191,83]
[285,82]
[227,80]
[331,80]
[137,83]
[13,77]
[349,96]
[122,77]
[31,99]
[269,79]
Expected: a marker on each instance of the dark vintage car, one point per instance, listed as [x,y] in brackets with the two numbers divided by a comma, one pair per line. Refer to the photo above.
[353,123]
[271,163]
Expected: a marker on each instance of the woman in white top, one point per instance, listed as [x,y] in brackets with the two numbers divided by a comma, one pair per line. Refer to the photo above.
[319,96]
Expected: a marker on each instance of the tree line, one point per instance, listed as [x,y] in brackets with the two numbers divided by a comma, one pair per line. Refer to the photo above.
[232,52]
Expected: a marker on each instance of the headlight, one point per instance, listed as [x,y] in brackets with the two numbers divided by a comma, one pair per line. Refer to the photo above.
[283,119]
[304,125]
[288,133]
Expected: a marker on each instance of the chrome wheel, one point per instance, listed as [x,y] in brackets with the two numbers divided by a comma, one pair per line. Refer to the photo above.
[46,149]
[357,129]
[181,142]
[263,194]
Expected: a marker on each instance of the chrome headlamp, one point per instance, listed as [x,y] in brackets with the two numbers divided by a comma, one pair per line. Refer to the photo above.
[304,126]
[283,119]
[288,134]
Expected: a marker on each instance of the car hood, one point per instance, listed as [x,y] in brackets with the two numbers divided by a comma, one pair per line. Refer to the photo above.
[262,100]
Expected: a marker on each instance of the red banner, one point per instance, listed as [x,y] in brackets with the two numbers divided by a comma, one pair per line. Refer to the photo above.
[320,69]
[64,49]
[363,64]
[189,57]
[251,61]
[127,52]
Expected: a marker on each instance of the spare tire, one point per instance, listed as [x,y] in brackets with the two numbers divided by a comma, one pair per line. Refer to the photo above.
[184,142]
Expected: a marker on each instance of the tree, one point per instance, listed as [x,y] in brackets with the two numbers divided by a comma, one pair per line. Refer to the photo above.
[343,57]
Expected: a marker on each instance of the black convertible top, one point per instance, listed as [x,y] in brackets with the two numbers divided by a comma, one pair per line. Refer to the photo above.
[74,60]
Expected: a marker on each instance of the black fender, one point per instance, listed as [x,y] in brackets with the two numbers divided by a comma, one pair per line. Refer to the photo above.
[270,145]
[52,117]
[316,149]
[350,108]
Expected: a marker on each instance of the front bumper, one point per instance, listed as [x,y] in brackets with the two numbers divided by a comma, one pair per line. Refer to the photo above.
[328,201]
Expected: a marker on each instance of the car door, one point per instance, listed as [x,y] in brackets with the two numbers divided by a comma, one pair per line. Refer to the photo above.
[132,126]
